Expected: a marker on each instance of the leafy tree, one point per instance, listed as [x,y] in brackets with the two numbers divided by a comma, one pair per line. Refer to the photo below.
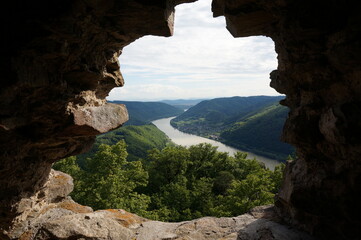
[277,176]
[166,166]
[184,183]
[253,191]
[222,182]
[202,197]
[204,160]
[139,140]
[192,182]
[111,180]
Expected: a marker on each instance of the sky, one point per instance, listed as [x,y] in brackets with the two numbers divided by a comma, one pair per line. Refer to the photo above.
[201,60]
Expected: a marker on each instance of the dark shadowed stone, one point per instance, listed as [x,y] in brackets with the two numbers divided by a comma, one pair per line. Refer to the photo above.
[319,55]
[59,62]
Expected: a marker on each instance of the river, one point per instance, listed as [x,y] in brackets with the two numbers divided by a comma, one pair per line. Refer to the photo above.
[186,139]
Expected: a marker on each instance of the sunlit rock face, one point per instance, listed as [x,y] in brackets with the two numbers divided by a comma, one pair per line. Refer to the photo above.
[59,61]
[319,56]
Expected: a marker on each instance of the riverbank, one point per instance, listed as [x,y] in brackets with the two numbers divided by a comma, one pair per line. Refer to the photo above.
[244,148]
[186,139]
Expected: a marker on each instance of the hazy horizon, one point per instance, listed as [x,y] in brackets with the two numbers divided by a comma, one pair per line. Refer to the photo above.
[201,60]
[187,99]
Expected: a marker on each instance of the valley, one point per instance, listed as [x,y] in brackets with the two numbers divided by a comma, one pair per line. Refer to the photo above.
[249,124]
[187,140]
[161,173]
[253,124]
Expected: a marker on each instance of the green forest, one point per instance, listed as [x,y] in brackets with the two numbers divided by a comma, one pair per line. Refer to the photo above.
[171,184]
[260,133]
[250,123]
[140,139]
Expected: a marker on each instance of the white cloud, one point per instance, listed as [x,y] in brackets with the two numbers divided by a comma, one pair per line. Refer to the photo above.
[202,59]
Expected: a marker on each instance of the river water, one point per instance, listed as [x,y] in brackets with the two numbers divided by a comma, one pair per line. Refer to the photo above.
[187,140]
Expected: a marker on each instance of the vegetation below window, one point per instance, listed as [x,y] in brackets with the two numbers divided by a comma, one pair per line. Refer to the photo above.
[172,184]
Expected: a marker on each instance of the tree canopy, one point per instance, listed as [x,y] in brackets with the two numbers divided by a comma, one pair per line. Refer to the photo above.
[173,184]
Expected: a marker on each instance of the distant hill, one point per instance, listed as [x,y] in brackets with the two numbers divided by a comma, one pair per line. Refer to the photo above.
[260,133]
[183,103]
[249,123]
[223,108]
[139,140]
[144,112]
[139,135]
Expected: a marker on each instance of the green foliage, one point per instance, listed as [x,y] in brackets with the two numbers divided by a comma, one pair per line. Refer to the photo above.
[251,123]
[199,181]
[256,189]
[260,133]
[139,140]
[110,181]
[177,183]
[166,166]
[69,166]
[223,182]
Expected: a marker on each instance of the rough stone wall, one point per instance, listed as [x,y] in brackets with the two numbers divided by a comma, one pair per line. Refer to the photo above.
[319,55]
[59,60]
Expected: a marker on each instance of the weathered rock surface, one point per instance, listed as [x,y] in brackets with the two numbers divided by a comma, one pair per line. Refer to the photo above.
[59,61]
[245,227]
[51,202]
[319,55]
[126,226]
[53,215]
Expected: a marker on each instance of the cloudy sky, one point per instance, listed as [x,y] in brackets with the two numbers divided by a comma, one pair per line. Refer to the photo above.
[201,60]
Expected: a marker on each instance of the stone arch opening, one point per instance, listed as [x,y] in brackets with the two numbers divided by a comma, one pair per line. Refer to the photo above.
[154,68]
[203,69]
[59,61]
[201,50]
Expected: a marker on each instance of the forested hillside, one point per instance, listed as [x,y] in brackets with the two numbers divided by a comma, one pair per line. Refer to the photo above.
[139,140]
[260,133]
[144,112]
[251,123]
[221,109]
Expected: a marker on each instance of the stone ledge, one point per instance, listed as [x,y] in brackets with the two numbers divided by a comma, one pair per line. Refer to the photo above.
[54,215]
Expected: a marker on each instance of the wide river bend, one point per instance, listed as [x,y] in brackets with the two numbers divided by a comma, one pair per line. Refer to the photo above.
[186,139]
